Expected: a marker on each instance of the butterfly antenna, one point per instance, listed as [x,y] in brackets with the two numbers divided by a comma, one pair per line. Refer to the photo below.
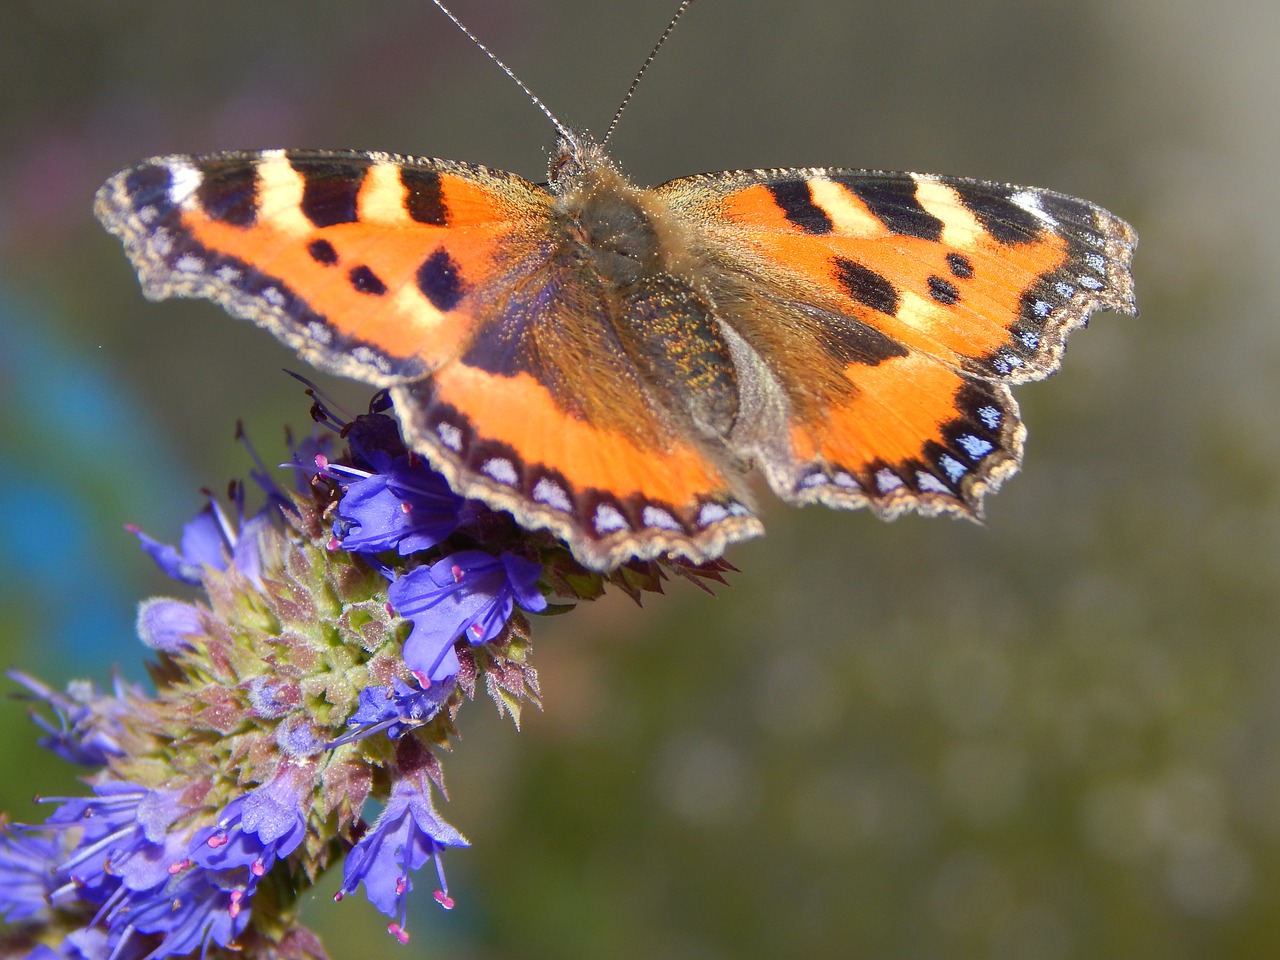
[537,101]
[617,114]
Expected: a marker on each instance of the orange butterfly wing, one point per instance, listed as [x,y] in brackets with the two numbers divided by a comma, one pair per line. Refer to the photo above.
[889,313]
[361,262]
[448,283]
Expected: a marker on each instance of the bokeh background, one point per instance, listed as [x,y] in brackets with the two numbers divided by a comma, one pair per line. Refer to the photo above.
[1054,736]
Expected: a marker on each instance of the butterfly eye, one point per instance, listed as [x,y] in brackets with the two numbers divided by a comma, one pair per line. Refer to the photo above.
[563,166]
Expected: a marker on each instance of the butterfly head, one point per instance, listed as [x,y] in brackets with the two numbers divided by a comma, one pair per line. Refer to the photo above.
[574,154]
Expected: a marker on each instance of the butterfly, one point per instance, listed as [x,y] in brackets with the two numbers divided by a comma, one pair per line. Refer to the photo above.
[609,362]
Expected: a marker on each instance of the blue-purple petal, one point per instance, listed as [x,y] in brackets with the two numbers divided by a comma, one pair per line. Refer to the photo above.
[204,539]
[405,837]
[403,506]
[396,709]
[190,914]
[27,862]
[165,624]
[168,559]
[523,575]
[469,593]
[247,552]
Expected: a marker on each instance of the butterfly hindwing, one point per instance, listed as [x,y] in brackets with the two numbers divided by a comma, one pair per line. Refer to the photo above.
[550,414]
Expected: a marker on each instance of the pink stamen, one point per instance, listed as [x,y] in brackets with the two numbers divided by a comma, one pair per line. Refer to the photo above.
[339,897]
[444,899]
[406,508]
[398,932]
[402,884]
[334,544]
[177,867]
[236,906]
[322,461]
[217,840]
[457,574]
[257,868]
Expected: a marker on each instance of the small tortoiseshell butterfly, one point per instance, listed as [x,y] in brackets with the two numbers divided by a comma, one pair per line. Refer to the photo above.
[607,361]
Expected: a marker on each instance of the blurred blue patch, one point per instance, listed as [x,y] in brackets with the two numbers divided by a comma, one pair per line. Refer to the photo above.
[80,461]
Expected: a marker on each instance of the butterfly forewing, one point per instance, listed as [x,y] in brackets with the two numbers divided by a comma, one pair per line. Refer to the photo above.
[362,262]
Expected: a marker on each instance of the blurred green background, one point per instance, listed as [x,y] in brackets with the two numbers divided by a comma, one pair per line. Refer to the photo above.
[1055,736]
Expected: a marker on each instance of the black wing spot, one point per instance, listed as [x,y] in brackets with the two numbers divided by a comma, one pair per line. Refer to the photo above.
[866,286]
[1007,222]
[944,291]
[894,203]
[330,190]
[795,200]
[322,252]
[366,281]
[149,184]
[230,195]
[424,198]
[440,281]
[961,266]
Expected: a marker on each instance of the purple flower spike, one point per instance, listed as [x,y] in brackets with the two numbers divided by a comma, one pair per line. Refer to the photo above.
[407,835]
[337,633]
[468,592]
[403,506]
[257,828]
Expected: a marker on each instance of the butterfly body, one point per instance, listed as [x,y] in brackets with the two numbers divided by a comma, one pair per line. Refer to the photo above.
[608,361]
